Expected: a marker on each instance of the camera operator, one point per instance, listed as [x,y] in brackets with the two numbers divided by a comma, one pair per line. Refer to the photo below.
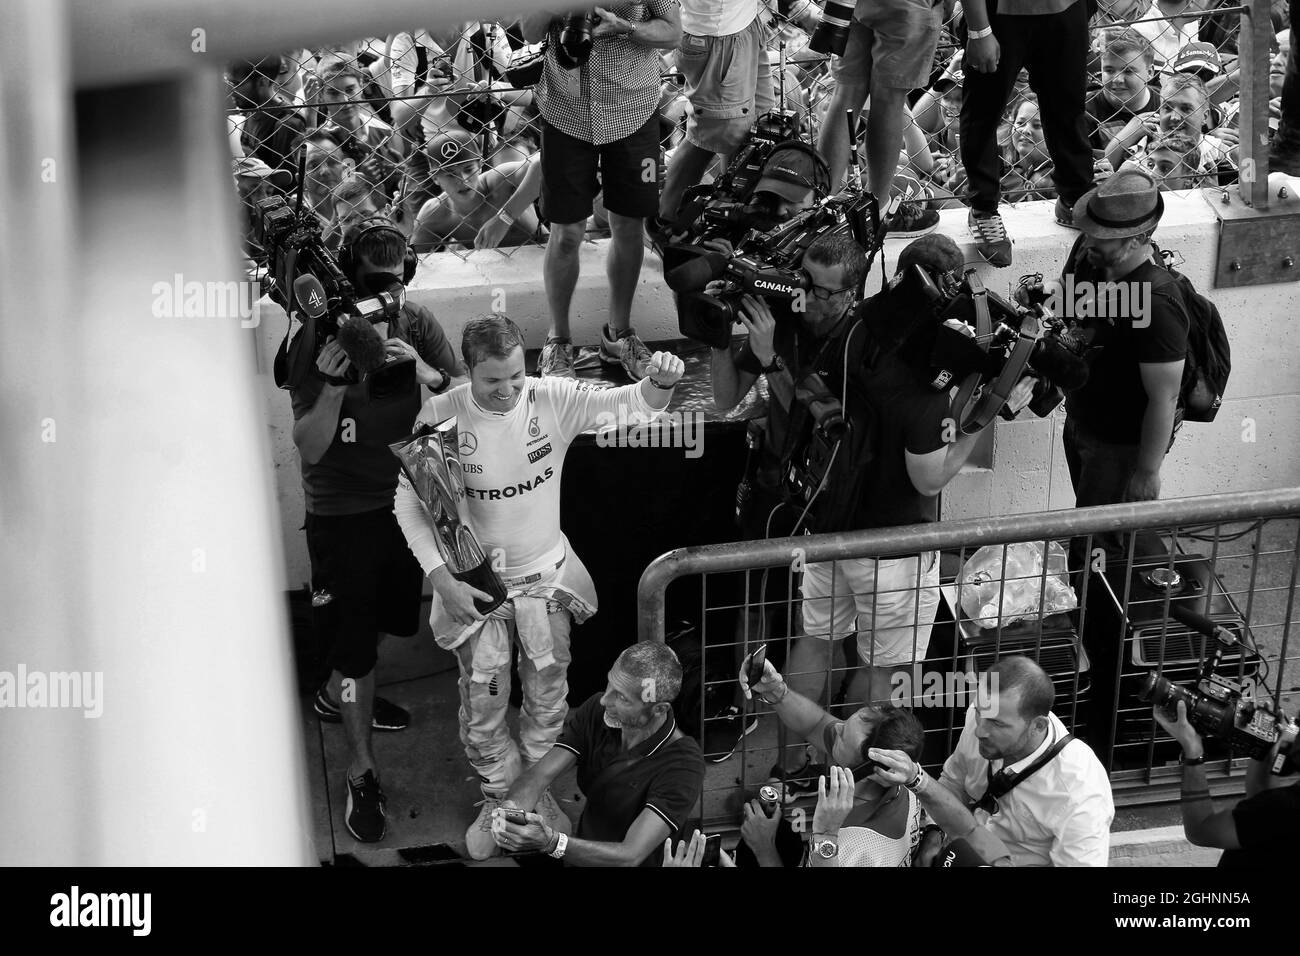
[1262,830]
[890,602]
[1049,798]
[364,579]
[600,133]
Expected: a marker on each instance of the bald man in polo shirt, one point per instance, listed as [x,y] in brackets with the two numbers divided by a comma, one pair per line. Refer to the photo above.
[641,776]
[1050,805]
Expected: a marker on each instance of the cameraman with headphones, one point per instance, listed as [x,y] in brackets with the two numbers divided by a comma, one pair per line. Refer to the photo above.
[1259,831]
[364,577]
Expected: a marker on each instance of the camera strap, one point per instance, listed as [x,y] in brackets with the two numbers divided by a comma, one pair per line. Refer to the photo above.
[983,330]
[1003,781]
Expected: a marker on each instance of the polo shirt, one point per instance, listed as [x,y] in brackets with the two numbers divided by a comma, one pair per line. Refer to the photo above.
[659,774]
[1059,816]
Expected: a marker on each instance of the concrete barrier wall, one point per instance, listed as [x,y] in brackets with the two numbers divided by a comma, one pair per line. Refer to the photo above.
[1254,444]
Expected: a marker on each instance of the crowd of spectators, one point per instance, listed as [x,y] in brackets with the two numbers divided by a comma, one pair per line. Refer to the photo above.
[427,119]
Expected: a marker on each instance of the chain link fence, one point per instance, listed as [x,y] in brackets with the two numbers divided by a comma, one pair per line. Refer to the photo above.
[423,124]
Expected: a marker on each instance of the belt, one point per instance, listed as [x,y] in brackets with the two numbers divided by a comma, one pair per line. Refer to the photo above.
[531,578]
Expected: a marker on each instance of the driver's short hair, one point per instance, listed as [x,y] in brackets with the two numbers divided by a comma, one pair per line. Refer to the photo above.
[492,336]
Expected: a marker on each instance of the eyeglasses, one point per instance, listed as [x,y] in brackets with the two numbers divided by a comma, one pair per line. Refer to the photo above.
[825,295]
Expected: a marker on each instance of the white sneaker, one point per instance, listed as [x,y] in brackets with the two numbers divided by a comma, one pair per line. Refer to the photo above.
[550,811]
[478,838]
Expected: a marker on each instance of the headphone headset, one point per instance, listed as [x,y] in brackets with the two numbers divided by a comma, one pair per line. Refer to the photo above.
[347,258]
[822,177]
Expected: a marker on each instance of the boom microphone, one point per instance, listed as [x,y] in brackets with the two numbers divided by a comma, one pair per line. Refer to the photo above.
[697,273]
[363,344]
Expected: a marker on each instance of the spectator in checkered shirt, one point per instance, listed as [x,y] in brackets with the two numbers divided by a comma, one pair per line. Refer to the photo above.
[600,132]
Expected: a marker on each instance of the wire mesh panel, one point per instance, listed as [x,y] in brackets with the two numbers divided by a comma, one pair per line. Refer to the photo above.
[1124,607]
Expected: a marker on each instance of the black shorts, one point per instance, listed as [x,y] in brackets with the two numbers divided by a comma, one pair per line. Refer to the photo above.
[363,561]
[628,174]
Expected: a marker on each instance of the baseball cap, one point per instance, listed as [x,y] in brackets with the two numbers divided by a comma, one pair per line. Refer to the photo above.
[452,149]
[254,168]
[1196,57]
[790,174]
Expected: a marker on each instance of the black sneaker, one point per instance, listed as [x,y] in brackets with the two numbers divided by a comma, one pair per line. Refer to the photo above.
[386,714]
[366,804]
[723,731]
[990,237]
[913,219]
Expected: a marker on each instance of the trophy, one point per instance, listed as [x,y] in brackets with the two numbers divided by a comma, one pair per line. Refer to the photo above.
[431,462]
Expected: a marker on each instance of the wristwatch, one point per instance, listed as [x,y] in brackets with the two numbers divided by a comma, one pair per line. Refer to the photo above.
[1187,761]
[827,849]
[561,845]
[776,365]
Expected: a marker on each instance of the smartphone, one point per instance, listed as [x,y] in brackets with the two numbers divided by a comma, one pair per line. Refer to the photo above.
[517,817]
[755,672]
[712,849]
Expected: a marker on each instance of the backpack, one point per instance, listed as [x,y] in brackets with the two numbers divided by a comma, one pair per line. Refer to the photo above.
[1209,359]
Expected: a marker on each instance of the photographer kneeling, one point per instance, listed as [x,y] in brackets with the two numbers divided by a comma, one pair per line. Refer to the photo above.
[1260,831]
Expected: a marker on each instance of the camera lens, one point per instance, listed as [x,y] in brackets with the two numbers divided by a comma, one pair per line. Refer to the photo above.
[832,33]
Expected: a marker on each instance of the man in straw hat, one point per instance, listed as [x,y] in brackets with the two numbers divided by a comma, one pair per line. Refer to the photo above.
[1120,424]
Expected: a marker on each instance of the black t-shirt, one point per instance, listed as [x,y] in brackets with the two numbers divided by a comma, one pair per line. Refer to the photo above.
[1105,120]
[797,348]
[1113,401]
[358,472]
[1268,829]
[909,416]
[660,774]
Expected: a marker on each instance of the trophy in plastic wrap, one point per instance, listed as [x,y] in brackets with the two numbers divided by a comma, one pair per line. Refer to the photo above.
[431,462]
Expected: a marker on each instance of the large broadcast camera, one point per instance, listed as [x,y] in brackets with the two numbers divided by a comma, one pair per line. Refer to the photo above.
[1218,707]
[767,255]
[989,344]
[308,283]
